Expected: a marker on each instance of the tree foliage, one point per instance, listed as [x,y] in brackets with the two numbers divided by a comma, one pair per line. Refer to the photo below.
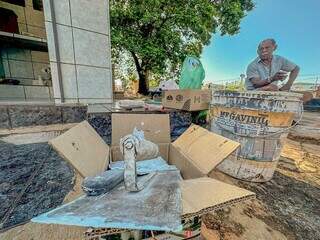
[159,34]
[236,86]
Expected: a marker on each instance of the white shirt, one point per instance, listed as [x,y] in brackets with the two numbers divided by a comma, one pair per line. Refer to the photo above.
[262,71]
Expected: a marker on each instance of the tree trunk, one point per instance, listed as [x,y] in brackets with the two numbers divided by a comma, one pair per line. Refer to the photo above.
[143,82]
[143,76]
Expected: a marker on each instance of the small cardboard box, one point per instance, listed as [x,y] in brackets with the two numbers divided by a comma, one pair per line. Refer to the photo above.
[188,100]
[195,153]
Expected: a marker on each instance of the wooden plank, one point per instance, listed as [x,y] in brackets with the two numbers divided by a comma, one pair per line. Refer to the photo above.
[84,149]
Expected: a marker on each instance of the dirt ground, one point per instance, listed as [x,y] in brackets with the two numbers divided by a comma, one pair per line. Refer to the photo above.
[288,206]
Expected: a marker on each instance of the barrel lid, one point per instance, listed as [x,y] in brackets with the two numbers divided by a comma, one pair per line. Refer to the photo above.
[263,95]
[259,100]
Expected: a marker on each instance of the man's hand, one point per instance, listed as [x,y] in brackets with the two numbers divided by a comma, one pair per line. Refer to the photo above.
[279,76]
[285,87]
[293,75]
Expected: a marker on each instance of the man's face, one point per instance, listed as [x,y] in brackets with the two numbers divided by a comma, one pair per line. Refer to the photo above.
[265,50]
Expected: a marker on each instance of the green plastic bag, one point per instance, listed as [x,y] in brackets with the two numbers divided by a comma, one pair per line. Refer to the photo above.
[192,74]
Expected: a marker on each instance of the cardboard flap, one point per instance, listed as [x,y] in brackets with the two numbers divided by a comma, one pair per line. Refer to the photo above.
[205,149]
[156,127]
[83,148]
[205,194]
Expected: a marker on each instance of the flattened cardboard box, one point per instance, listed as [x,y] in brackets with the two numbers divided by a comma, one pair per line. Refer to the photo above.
[188,100]
[195,153]
[83,148]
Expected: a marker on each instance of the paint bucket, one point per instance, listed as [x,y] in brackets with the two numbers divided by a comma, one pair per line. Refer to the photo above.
[259,121]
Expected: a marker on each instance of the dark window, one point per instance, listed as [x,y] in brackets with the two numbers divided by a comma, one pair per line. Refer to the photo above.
[8,21]
[16,2]
[2,74]
[37,5]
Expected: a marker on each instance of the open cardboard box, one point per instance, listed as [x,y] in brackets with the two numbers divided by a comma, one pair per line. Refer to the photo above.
[195,153]
[187,99]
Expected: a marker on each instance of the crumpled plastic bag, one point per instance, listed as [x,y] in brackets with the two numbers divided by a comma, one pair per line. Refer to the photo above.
[192,74]
[168,85]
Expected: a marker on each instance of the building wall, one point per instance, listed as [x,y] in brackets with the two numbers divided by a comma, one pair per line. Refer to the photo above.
[84,48]
[30,21]
[23,64]
[22,93]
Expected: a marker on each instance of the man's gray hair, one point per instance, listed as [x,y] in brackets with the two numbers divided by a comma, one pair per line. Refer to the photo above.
[274,43]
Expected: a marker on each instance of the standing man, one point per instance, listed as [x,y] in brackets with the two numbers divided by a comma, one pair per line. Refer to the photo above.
[265,72]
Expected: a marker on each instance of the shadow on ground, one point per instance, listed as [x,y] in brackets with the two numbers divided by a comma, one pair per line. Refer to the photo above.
[287,207]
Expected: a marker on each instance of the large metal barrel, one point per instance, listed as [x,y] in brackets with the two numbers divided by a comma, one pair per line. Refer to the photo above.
[260,122]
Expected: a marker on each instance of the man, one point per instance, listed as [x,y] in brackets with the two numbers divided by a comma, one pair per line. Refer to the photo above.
[267,70]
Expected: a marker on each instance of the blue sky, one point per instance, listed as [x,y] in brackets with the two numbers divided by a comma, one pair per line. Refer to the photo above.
[294,24]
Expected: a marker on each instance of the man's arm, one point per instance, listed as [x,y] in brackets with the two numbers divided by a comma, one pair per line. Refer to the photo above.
[292,77]
[254,78]
[258,83]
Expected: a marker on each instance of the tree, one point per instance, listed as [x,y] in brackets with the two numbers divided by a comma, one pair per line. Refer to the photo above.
[159,34]
[236,86]
[123,68]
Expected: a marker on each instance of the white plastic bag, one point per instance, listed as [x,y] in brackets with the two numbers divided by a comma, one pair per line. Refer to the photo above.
[168,85]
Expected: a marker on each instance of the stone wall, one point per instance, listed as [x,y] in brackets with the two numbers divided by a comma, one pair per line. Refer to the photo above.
[14,116]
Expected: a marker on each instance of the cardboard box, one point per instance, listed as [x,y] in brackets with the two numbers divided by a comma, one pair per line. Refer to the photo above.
[179,236]
[195,153]
[83,148]
[188,100]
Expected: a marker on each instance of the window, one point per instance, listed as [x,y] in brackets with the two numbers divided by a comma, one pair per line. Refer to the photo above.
[37,5]
[16,2]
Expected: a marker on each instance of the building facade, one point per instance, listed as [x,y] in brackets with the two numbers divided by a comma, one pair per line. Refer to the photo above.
[55,50]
